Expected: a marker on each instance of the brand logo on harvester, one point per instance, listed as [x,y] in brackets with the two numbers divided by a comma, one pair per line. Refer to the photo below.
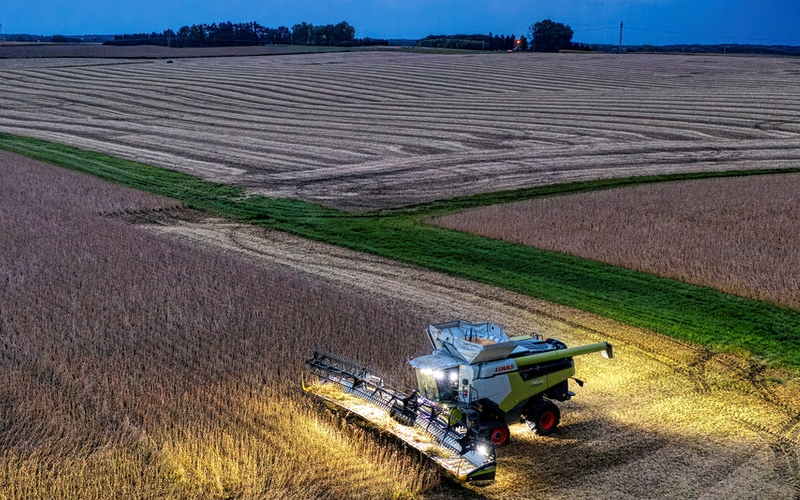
[503,368]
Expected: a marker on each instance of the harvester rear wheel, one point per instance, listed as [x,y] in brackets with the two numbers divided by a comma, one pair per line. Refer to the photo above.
[499,435]
[543,418]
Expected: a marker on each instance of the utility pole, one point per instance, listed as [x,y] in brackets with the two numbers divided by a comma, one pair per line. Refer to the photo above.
[620,37]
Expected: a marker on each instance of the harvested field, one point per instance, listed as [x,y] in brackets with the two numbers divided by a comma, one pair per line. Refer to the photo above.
[160,360]
[72,51]
[164,362]
[738,235]
[375,129]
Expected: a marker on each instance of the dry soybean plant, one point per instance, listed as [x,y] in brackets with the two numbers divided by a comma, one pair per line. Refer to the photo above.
[734,234]
[132,366]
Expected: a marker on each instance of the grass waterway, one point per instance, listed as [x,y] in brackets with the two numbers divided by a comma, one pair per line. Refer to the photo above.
[702,315]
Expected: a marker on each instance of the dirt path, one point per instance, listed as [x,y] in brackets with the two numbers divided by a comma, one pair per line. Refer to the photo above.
[663,419]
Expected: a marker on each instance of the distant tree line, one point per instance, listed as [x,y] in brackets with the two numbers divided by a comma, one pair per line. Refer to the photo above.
[474,42]
[240,34]
[30,38]
[545,36]
[775,50]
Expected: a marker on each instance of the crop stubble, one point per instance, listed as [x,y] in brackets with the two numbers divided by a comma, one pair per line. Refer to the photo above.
[377,129]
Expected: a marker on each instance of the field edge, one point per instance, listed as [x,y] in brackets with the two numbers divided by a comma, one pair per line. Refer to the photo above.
[689,312]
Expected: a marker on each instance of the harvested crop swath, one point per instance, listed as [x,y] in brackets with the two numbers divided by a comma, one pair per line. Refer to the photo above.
[369,130]
[734,234]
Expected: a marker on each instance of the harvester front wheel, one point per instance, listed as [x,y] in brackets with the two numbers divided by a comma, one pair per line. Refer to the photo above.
[499,435]
[543,418]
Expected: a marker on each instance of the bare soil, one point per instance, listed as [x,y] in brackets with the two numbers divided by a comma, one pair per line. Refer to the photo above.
[365,130]
[95,50]
[663,419]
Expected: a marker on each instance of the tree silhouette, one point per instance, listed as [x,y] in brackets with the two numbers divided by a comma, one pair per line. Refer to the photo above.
[550,36]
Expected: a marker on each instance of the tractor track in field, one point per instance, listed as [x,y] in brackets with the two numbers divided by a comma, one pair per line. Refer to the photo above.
[785,450]
[660,404]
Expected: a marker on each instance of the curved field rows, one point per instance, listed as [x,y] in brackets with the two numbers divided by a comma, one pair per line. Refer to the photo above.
[663,419]
[375,129]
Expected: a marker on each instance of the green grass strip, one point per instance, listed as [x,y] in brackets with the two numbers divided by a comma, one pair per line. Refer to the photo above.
[702,315]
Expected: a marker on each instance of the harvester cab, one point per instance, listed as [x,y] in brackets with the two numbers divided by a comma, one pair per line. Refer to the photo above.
[492,380]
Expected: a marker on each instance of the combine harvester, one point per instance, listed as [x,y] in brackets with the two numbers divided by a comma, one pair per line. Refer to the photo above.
[476,382]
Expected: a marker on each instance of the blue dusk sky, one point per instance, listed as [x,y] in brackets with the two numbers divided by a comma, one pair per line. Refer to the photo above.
[657,22]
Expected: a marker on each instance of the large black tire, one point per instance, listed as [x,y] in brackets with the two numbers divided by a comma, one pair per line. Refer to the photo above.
[543,418]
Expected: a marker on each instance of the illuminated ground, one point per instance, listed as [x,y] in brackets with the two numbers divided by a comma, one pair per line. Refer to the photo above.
[663,419]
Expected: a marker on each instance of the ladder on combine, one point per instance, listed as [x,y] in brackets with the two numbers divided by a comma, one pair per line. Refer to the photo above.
[466,455]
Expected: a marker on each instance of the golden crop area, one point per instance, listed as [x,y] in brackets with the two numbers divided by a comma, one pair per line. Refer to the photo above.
[150,351]
[373,129]
[135,367]
[737,234]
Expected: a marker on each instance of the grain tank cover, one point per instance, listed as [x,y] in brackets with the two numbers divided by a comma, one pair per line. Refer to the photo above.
[434,362]
[471,342]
